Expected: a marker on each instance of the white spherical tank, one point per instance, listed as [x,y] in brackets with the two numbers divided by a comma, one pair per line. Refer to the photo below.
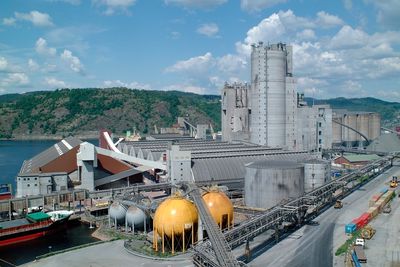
[268,182]
[117,213]
[135,217]
[316,173]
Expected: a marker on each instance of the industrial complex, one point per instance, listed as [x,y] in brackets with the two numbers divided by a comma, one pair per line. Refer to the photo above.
[182,195]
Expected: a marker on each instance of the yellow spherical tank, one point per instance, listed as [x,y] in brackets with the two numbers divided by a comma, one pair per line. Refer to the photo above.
[220,207]
[175,222]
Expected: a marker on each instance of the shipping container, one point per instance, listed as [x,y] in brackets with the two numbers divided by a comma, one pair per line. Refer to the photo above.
[383,190]
[373,212]
[350,228]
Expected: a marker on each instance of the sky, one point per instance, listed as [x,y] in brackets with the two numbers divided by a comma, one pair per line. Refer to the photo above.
[341,47]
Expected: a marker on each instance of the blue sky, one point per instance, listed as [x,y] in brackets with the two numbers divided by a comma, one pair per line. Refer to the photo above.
[341,48]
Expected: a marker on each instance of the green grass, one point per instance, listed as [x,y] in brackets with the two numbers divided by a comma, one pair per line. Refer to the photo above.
[343,248]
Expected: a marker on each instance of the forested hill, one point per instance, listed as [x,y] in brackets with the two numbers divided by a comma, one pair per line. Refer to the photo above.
[83,111]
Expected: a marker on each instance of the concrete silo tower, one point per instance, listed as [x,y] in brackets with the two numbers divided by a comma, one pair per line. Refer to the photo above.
[273,100]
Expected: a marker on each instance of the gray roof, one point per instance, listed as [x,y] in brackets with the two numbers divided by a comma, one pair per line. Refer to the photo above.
[385,143]
[274,164]
[33,165]
[228,168]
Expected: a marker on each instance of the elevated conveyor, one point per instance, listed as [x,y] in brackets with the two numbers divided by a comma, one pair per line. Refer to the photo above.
[222,251]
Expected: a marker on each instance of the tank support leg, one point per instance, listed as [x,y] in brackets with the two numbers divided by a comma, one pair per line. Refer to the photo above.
[162,237]
[173,239]
[192,234]
[183,234]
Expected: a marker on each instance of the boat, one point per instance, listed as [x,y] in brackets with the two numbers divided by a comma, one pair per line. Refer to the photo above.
[34,225]
[59,215]
[5,191]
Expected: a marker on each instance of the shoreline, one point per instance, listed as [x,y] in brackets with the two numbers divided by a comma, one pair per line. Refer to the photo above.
[49,137]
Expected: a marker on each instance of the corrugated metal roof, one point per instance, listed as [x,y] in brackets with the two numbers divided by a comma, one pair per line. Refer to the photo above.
[360,157]
[33,165]
[208,169]
[385,143]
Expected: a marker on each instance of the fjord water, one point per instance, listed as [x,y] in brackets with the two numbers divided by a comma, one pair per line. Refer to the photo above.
[12,155]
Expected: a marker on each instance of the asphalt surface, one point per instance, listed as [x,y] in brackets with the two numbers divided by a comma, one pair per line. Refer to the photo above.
[104,255]
[314,245]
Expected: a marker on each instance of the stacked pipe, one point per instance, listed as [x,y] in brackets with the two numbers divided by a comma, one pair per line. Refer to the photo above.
[376,204]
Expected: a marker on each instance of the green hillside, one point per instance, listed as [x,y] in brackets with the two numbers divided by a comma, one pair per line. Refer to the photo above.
[85,111]
[80,111]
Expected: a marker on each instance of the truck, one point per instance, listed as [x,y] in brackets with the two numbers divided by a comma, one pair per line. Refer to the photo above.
[368,232]
[393,182]
[338,204]
[359,250]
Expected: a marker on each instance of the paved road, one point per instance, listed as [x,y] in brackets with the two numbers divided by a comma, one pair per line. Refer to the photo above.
[314,246]
[103,255]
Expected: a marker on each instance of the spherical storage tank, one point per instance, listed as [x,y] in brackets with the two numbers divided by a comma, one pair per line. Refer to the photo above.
[316,173]
[175,222]
[136,218]
[220,207]
[117,212]
[268,182]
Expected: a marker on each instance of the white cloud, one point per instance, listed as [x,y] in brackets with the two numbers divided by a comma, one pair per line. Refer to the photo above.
[43,49]
[37,18]
[387,12]
[231,63]
[18,78]
[132,85]
[9,21]
[348,37]
[208,29]
[327,20]
[258,5]
[189,88]
[54,83]
[33,66]
[193,4]
[306,34]
[3,64]
[114,6]
[195,65]
[73,61]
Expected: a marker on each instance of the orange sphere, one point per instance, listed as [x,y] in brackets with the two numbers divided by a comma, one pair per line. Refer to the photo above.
[175,214]
[220,207]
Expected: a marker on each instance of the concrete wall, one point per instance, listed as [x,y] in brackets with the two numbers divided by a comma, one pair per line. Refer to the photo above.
[36,184]
[268,185]
[235,112]
[179,165]
[367,123]
[316,174]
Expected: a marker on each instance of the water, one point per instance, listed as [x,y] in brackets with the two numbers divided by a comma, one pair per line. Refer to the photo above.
[12,155]
[74,235]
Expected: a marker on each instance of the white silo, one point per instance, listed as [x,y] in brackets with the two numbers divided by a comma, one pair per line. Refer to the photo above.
[316,173]
[272,99]
[269,182]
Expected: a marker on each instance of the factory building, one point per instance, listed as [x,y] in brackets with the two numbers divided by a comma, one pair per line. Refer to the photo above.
[205,161]
[270,112]
[354,128]
[59,168]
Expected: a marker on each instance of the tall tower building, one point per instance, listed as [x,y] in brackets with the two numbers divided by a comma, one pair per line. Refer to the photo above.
[272,100]
[235,112]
